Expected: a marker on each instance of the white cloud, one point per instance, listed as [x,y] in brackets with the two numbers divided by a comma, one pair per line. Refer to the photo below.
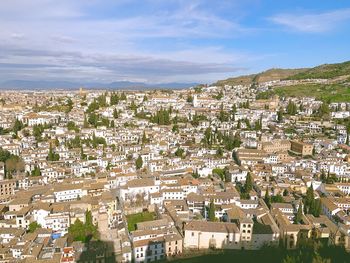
[313,23]
[64,39]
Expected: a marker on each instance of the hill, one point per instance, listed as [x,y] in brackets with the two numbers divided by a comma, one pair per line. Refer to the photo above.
[268,75]
[326,71]
[338,92]
[335,71]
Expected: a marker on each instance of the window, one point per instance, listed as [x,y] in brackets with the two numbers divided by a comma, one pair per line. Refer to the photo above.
[193,234]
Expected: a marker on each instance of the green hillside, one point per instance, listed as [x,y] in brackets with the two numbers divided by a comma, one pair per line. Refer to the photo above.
[268,75]
[325,92]
[326,71]
[337,88]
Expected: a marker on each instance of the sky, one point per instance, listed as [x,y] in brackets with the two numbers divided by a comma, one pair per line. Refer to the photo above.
[161,41]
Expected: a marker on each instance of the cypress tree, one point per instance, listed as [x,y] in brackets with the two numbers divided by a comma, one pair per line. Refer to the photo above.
[139,163]
[248,186]
[299,215]
[212,211]
[267,198]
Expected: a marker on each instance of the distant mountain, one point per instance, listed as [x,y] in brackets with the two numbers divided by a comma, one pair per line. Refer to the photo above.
[42,85]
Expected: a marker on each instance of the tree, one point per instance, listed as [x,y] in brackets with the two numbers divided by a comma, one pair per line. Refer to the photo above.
[123,96]
[237,140]
[212,211]
[233,112]
[310,197]
[323,176]
[82,154]
[4,155]
[161,117]
[93,106]
[208,136]
[195,174]
[114,99]
[13,164]
[90,228]
[83,232]
[248,186]
[239,124]
[72,127]
[247,124]
[223,115]
[144,138]
[52,156]
[115,114]
[93,119]
[17,126]
[316,208]
[189,99]
[104,122]
[299,216]
[279,116]
[291,108]
[323,110]
[220,172]
[139,162]
[77,231]
[133,106]
[267,198]
[219,152]
[277,199]
[86,123]
[38,131]
[289,259]
[69,105]
[175,128]
[319,259]
[258,125]
[33,226]
[179,152]
[36,171]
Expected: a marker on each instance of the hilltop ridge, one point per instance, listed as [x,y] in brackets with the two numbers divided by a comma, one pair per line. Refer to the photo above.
[324,71]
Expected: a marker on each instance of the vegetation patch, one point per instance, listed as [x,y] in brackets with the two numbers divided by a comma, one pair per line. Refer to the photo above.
[325,92]
[326,71]
[138,218]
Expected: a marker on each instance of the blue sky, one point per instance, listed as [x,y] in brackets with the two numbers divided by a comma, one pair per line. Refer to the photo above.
[158,41]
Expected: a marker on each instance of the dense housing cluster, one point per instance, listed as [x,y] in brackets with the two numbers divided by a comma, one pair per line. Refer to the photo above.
[147,175]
